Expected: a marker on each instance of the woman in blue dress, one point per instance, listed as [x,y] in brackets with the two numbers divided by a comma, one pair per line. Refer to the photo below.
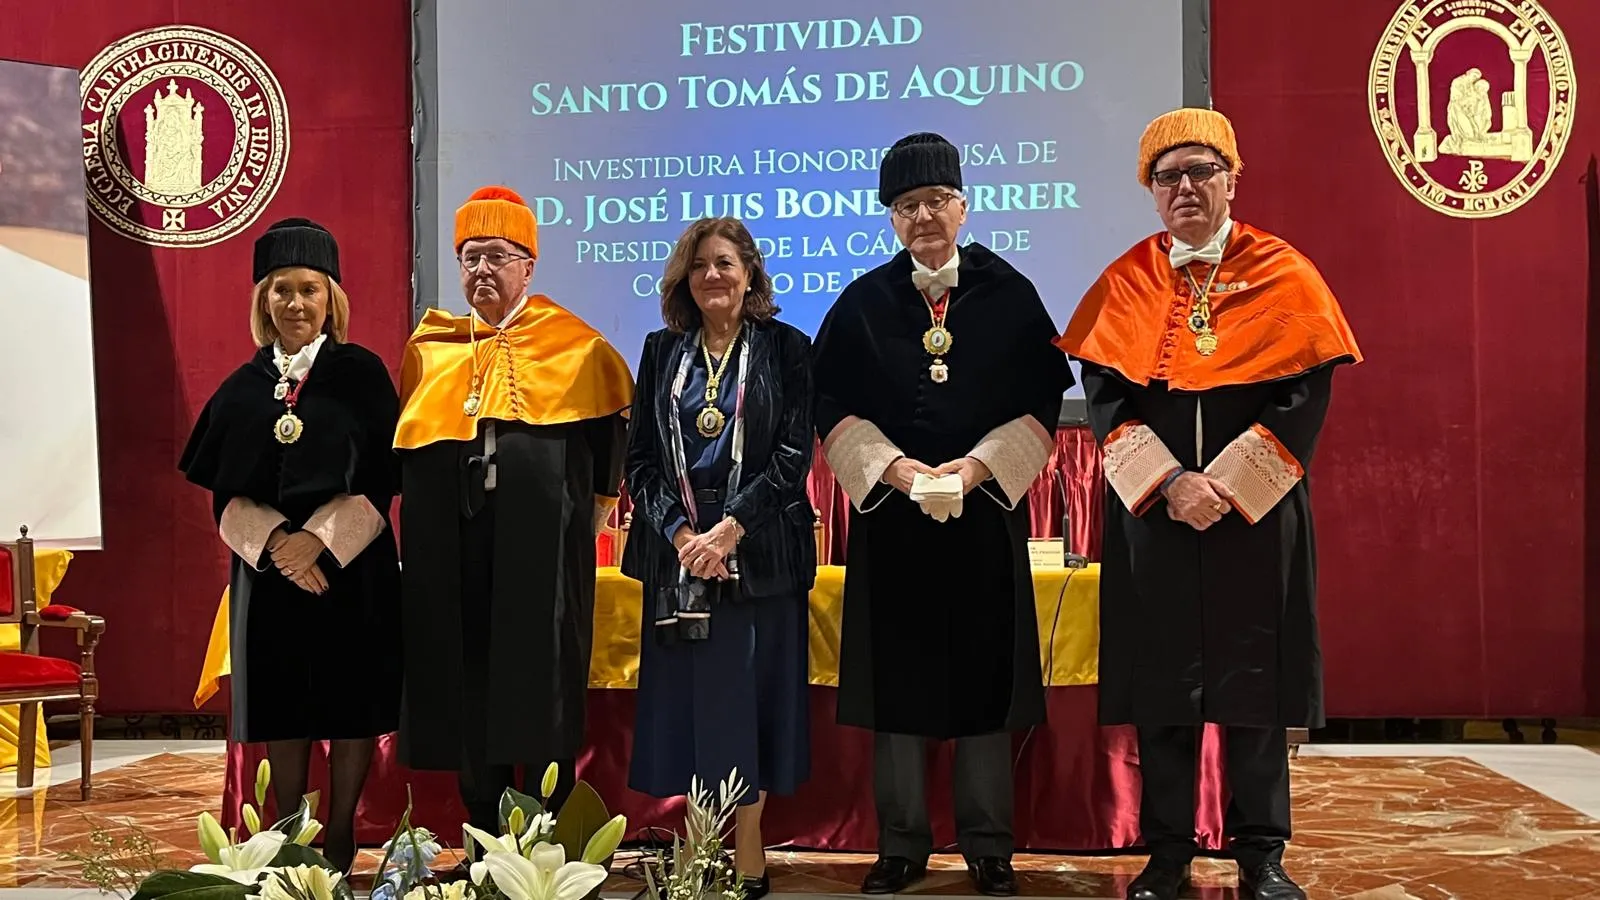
[719,448]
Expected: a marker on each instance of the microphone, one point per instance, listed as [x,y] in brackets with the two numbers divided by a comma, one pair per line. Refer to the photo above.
[1069,559]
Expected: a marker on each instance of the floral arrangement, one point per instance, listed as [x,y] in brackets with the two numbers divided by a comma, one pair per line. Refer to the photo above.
[538,856]
[697,866]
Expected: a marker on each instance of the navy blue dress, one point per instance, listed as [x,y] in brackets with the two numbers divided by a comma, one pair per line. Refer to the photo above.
[737,699]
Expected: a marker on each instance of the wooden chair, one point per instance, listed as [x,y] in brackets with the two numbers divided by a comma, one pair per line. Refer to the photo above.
[28,679]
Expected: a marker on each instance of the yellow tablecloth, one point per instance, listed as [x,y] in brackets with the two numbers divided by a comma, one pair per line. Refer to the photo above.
[49,567]
[1067,602]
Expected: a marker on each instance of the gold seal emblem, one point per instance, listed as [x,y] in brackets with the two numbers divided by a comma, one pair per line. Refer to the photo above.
[1473,102]
[185,136]
[709,422]
[288,428]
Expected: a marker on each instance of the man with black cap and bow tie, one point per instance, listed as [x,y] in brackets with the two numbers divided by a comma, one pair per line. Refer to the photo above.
[938,394]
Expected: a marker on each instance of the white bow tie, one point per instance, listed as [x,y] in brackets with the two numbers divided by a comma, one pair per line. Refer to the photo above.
[1182,256]
[944,278]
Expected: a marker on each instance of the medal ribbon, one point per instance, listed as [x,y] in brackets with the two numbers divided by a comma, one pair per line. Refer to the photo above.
[293,396]
[675,424]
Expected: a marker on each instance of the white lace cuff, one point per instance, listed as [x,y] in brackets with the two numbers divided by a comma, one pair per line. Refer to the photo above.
[859,454]
[1258,469]
[346,525]
[1136,463]
[245,527]
[1015,453]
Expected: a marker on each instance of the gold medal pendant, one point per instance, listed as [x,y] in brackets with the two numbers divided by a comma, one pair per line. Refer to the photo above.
[709,422]
[1206,342]
[471,406]
[288,428]
[937,340]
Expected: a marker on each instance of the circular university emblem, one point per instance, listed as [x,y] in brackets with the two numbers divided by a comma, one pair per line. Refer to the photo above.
[185,136]
[1473,102]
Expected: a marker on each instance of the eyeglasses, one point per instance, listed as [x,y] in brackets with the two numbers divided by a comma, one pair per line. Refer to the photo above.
[497,259]
[908,209]
[1199,173]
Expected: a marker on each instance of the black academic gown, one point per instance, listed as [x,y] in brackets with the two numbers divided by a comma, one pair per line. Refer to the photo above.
[939,637]
[499,591]
[1221,625]
[307,666]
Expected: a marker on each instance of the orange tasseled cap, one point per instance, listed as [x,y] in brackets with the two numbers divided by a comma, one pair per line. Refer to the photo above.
[497,212]
[1183,128]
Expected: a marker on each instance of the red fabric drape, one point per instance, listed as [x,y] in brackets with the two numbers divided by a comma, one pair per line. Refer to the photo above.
[1077,785]
[1449,484]
[170,324]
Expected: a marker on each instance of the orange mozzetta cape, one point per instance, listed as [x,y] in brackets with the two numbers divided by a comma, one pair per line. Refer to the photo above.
[546,367]
[1273,316]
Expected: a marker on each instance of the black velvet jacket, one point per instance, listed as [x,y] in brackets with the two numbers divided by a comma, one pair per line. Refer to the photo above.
[778,553]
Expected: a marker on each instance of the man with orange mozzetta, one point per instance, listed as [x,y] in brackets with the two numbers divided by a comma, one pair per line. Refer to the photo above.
[511,439]
[1208,353]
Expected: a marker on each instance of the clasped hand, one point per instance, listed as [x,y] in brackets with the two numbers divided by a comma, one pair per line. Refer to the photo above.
[296,555]
[706,555]
[1198,500]
[904,471]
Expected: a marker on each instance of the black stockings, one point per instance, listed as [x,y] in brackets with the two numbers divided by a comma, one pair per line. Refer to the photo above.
[348,761]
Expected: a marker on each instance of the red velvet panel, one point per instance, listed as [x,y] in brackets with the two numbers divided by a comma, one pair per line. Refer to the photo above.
[8,603]
[1449,483]
[170,324]
[1077,785]
[24,670]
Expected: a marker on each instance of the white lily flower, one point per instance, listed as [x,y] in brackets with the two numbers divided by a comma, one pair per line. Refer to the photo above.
[542,824]
[544,875]
[299,882]
[245,862]
[453,890]
[489,843]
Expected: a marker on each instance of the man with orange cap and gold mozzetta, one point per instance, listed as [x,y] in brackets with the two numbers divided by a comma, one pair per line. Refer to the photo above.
[511,439]
[1207,354]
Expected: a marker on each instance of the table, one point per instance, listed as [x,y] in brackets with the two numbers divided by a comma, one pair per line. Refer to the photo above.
[1077,783]
[49,568]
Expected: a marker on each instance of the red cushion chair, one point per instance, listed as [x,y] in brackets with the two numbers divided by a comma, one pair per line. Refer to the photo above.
[29,679]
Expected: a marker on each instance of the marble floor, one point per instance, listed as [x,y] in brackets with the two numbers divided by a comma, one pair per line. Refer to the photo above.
[1372,822]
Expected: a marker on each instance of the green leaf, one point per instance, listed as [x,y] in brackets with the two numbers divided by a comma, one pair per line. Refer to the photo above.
[394,839]
[291,855]
[581,816]
[513,799]
[190,886]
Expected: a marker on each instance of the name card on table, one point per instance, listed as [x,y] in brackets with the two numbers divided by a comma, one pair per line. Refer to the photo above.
[1046,553]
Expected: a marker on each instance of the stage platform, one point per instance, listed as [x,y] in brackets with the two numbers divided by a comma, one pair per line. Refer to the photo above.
[1372,822]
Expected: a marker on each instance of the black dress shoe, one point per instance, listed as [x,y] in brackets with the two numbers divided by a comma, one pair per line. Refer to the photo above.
[993,875]
[756,888]
[892,874]
[1268,881]
[1161,880]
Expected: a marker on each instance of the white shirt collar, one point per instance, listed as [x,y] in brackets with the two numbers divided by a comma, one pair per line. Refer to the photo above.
[1211,251]
[937,281]
[295,367]
[510,314]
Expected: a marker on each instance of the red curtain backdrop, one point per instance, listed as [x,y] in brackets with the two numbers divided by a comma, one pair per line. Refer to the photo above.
[171,324]
[1449,486]
[1077,784]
